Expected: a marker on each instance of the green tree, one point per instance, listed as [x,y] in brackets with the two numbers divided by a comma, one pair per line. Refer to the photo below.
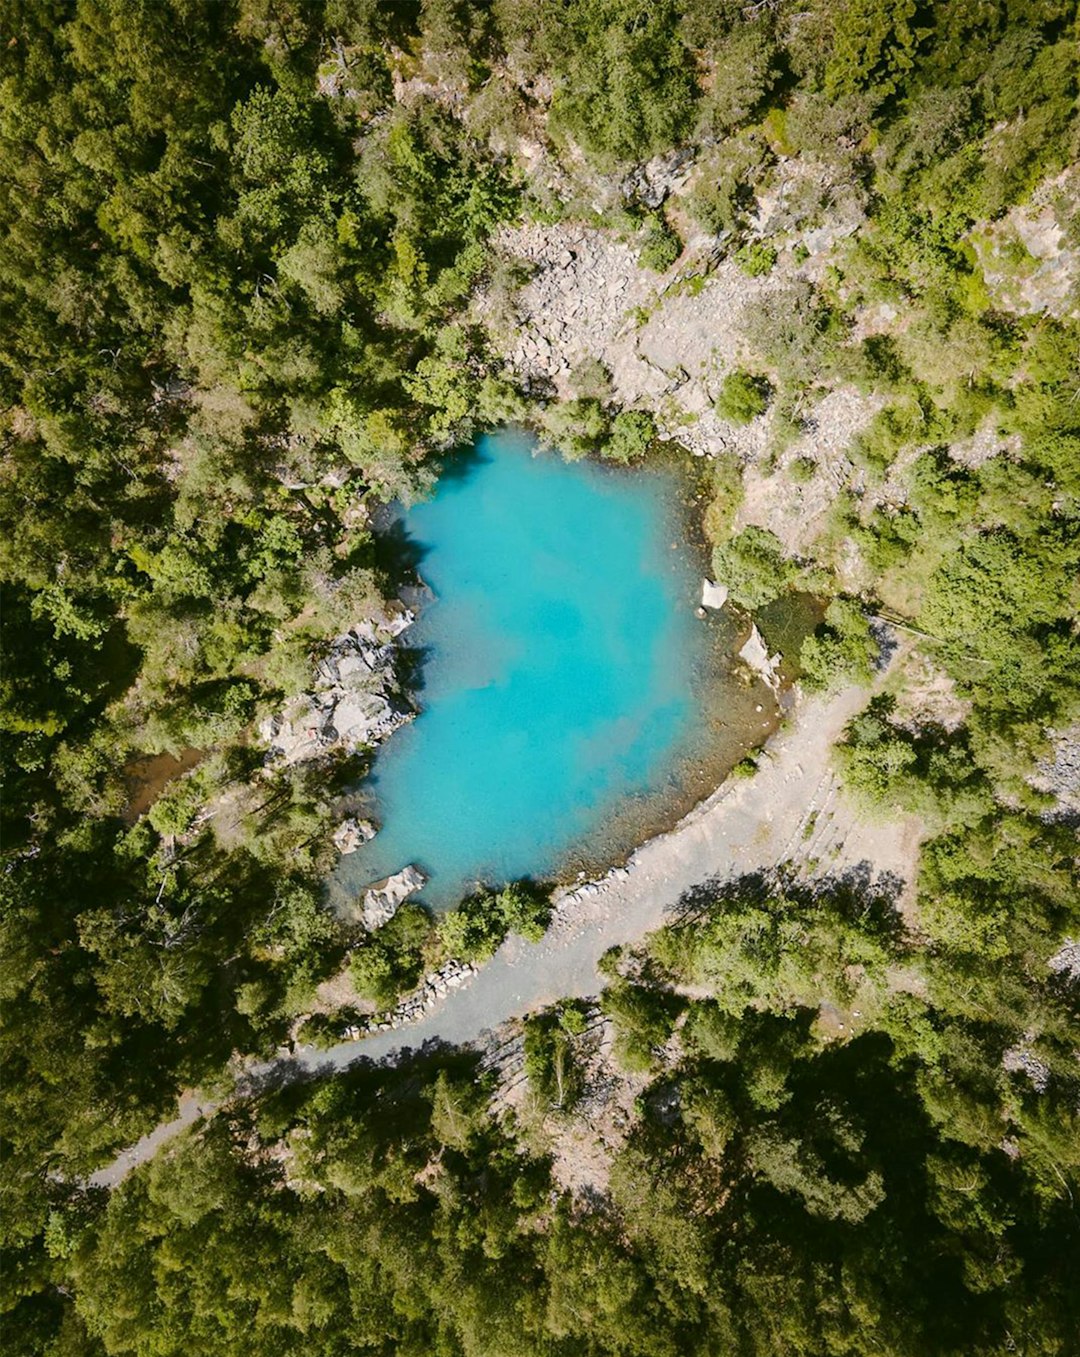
[633,432]
[754,567]
[743,397]
[842,648]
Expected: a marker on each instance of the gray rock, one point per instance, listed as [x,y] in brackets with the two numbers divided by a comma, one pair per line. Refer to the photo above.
[1020,1059]
[1066,961]
[383,899]
[654,181]
[351,833]
[755,655]
[354,702]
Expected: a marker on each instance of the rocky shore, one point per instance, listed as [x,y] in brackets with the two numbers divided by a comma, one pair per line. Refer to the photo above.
[451,975]
[793,811]
[383,899]
[355,701]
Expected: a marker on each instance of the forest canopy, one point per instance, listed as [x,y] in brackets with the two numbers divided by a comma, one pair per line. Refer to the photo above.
[249,261]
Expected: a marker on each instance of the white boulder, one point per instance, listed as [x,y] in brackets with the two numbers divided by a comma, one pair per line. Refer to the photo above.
[713,595]
[755,655]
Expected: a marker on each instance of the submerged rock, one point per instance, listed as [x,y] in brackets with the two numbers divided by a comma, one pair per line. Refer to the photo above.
[351,833]
[383,899]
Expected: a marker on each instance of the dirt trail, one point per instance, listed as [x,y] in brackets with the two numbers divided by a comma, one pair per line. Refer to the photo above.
[792,809]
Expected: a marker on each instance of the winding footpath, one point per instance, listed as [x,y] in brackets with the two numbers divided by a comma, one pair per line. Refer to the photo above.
[791,810]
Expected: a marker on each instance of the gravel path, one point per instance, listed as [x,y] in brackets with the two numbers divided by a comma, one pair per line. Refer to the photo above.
[793,809]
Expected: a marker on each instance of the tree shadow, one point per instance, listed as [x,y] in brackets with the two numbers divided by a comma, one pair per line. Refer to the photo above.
[857,895]
[289,1076]
[410,663]
[701,900]
[887,643]
[395,554]
[460,462]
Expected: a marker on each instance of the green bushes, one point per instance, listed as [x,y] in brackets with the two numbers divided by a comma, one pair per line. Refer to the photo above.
[632,434]
[551,1062]
[661,246]
[474,931]
[745,69]
[770,943]
[743,396]
[803,470]
[643,1019]
[723,191]
[390,962]
[932,773]
[754,567]
[623,86]
[797,334]
[582,427]
[755,258]
[575,427]
[726,494]
[842,648]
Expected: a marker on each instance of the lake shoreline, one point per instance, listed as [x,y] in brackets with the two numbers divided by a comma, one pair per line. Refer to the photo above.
[746,825]
[739,712]
[635,786]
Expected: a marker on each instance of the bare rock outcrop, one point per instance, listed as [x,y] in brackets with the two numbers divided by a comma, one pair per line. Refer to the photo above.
[1029,264]
[1066,961]
[354,702]
[383,900]
[351,833]
[1020,1059]
[755,655]
[1059,773]
[664,174]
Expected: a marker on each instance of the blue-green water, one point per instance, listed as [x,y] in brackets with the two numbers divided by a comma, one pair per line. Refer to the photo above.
[561,653]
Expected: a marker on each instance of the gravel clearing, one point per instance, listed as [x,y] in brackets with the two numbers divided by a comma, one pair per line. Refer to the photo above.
[1059,775]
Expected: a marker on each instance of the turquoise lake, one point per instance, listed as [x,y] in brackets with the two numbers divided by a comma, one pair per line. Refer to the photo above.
[561,673]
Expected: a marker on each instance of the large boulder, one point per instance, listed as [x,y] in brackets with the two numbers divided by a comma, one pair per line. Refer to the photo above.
[351,833]
[713,595]
[755,655]
[354,702]
[383,899]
